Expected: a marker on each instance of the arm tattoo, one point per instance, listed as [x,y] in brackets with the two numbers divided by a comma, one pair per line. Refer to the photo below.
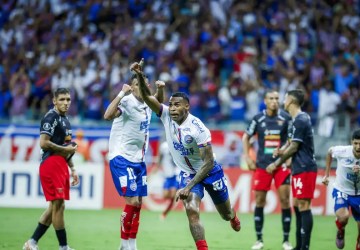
[208,158]
[289,151]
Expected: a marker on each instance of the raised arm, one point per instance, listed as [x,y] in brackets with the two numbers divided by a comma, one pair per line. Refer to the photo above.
[160,91]
[149,99]
[112,110]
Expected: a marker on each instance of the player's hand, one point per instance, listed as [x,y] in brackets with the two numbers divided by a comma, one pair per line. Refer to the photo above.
[270,168]
[75,178]
[325,180]
[126,88]
[250,163]
[356,169]
[277,152]
[182,194]
[160,84]
[137,66]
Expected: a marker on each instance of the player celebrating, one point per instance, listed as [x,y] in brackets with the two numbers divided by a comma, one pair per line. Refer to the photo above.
[55,131]
[272,128]
[128,142]
[346,186]
[304,168]
[190,146]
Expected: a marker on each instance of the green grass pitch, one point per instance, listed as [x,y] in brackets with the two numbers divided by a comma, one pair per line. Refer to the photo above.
[99,230]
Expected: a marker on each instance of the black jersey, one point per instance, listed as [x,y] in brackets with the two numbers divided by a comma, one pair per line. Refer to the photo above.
[57,127]
[272,132]
[304,159]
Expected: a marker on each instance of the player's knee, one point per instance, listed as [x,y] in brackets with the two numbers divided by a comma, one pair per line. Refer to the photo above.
[192,212]
[343,218]
[285,202]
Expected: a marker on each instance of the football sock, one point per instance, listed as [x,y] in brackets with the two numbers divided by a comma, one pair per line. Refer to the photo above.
[286,222]
[201,245]
[169,206]
[61,235]
[339,225]
[126,220]
[298,228]
[307,225]
[135,223]
[132,244]
[259,222]
[39,232]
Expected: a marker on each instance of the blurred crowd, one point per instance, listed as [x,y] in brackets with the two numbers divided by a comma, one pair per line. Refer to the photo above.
[224,53]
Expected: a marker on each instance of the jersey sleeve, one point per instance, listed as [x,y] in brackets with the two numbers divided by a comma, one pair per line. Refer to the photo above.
[48,124]
[337,151]
[289,128]
[300,127]
[251,129]
[124,106]
[164,113]
[203,135]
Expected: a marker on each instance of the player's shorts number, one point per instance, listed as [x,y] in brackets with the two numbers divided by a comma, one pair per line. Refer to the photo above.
[298,183]
[131,173]
[341,195]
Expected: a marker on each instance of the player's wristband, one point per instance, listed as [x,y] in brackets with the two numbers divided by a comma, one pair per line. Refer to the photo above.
[121,94]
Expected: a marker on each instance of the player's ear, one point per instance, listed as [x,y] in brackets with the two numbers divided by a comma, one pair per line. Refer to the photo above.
[54,100]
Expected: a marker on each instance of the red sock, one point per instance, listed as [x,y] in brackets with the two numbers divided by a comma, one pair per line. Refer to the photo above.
[135,223]
[201,245]
[339,225]
[125,221]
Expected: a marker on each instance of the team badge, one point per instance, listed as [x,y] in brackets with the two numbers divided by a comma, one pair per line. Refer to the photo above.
[280,122]
[133,186]
[188,139]
[340,201]
[46,126]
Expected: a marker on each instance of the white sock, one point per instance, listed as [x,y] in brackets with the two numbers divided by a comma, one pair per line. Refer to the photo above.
[124,244]
[132,244]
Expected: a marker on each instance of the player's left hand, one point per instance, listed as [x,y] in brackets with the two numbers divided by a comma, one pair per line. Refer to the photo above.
[325,180]
[75,178]
[160,84]
[270,168]
[182,194]
[136,66]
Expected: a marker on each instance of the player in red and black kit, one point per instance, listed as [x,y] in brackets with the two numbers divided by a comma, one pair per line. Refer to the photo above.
[57,149]
[304,167]
[272,127]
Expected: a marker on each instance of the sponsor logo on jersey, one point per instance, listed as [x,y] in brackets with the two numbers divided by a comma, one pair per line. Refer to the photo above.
[188,139]
[349,161]
[269,150]
[272,143]
[280,122]
[272,137]
[197,125]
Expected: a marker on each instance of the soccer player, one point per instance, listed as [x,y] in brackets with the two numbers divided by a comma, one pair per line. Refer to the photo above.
[272,127]
[55,133]
[167,166]
[346,186]
[128,142]
[190,146]
[303,169]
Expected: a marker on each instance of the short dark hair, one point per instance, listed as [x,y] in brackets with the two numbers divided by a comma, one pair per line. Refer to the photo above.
[356,135]
[298,95]
[269,91]
[61,91]
[182,95]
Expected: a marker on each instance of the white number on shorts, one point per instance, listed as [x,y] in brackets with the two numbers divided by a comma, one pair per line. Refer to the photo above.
[298,183]
[341,195]
[131,173]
